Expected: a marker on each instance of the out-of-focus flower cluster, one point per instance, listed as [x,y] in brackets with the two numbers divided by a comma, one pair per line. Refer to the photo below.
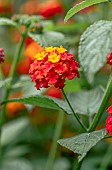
[50,8]
[46,9]
[1,55]
[109,121]
[52,67]
[6,7]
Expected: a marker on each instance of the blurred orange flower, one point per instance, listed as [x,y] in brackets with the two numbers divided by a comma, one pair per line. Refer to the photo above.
[54,92]
[6,8]
[32,49]
[5,67]
[30,7]
[13,108]
[23,66]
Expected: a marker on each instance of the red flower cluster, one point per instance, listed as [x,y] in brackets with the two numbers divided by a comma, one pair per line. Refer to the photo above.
[109,121]
[109,59]
[52,67]
[1,55]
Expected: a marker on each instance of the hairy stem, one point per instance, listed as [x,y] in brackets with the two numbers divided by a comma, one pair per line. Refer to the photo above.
[76,116]
[106,97]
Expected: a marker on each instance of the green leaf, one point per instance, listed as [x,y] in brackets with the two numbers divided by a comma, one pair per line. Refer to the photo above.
[80,6]
[24,80]
[95,45]
[86,102]
[36,100]
[49,38]
[6,21]
[17,164]
[12,129]
[4,82]
[27,86]
[43,101]
[16,151]
[82,143]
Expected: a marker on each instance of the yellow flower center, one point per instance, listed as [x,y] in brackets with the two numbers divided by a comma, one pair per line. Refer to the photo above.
[53,49]
[61,49]
[40,56]
[54,58]
[54,53]
[49,49]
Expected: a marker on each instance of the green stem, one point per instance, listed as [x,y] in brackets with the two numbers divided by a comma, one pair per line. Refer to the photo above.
[12,75]
[105,100]
[76,116]
[106,159]
[15,61]
[90,119]
[52,154]
[110,136]
[106,97]
[77,165]
[1,74]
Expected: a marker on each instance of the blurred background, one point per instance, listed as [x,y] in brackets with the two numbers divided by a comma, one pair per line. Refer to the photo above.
[28,130]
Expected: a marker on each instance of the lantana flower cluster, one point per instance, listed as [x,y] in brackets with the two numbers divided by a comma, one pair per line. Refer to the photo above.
[109,58]
[52,67]
[1,55]
[109,121]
